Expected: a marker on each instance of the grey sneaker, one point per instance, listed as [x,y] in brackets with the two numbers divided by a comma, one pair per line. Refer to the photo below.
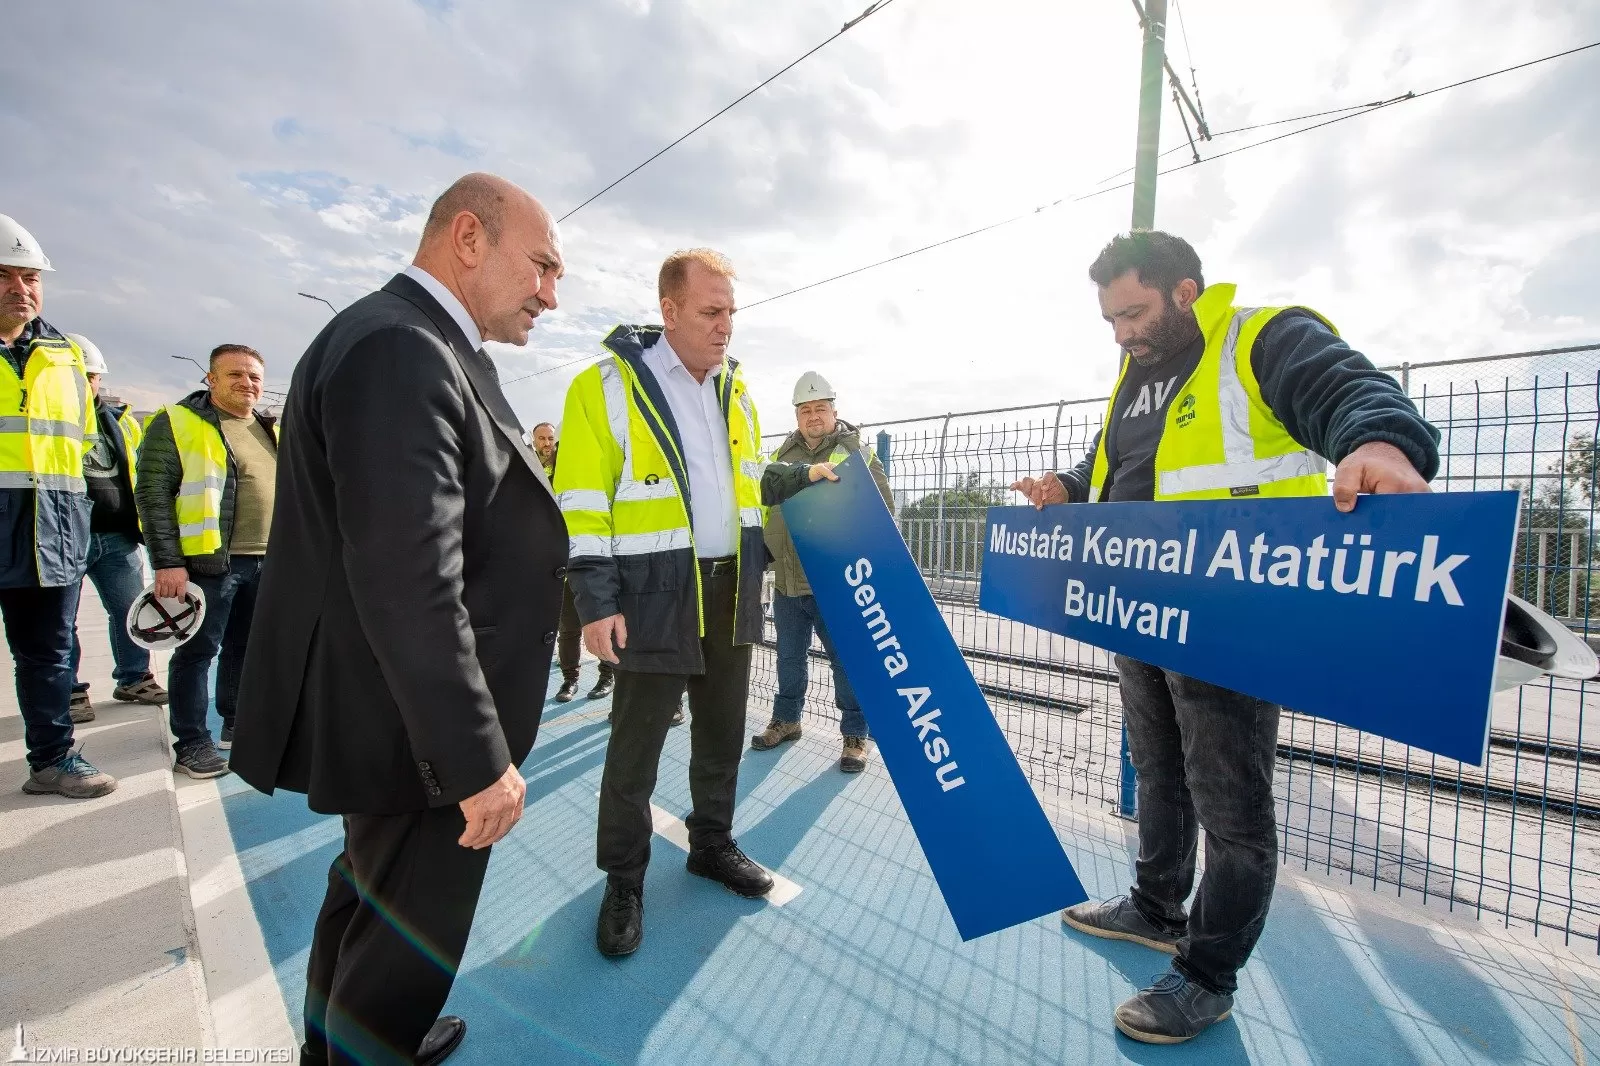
[80,707]
[71,776]
[200,760]
[1119,919]
[1172,1010]
[225,738]
[776,733]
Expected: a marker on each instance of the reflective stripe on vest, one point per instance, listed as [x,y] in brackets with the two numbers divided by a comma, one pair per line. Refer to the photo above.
[205,474]
[45,417]
[1221,439]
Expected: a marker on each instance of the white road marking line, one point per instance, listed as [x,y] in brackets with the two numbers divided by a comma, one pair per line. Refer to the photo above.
[672,828]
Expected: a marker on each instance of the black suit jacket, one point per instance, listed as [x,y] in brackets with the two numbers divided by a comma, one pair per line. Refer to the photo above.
[402,634]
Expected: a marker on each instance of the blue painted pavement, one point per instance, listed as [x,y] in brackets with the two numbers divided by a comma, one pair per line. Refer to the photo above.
[866,966]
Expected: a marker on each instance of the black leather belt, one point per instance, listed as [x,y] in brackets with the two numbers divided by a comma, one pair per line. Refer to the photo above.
[727,564]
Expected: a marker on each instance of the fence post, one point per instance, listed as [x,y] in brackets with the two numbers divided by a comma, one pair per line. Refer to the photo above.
[1128,783]
[1405,378]
[938,532]
[1055,440]
[883,451]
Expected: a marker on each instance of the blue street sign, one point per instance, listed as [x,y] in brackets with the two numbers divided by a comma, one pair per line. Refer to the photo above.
[992,850]
[1386,619]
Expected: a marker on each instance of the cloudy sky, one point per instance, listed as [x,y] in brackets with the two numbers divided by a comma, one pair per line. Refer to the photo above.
[191,165]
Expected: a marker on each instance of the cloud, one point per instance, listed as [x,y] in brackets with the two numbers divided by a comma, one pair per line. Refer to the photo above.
[237,177]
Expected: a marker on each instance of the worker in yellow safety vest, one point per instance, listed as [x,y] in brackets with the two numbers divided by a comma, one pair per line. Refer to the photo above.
[116,561]
[46,420]
[207,479]
[1216,401]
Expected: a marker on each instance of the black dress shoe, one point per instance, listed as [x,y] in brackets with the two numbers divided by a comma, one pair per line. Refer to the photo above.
[727,865]
[603,687]
[621,926]
[568,689]
[442,1039]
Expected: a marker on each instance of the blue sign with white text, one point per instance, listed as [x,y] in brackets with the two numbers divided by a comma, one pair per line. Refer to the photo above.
[1386,619]
[992,850]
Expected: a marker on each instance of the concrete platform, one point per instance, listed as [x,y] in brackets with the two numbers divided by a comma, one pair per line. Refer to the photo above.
[97,936]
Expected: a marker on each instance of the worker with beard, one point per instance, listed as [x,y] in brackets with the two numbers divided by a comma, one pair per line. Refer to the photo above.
[1216,401]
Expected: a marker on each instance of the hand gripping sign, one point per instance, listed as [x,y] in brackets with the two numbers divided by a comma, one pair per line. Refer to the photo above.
[1387,619]
[992,850]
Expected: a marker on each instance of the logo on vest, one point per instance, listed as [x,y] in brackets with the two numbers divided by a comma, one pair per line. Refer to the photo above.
[1186,412]
[652,479]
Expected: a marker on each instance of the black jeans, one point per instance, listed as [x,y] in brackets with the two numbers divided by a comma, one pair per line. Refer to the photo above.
[642,711]
[569,639]
[230,604]
[39,627]
[1205,756]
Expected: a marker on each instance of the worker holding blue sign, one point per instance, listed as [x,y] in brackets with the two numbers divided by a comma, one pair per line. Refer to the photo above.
[1216,401]
[820,436]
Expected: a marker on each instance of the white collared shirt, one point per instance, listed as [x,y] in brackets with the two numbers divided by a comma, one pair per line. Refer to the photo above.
[703,432]
[448,301]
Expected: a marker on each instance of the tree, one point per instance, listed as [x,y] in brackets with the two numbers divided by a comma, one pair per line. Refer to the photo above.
[951,538]
[1555,556]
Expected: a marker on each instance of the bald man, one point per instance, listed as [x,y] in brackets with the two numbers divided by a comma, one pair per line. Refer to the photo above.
[406,617]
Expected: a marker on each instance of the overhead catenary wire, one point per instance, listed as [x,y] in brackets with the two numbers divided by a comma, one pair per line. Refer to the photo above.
[1188,52]
[872,9]
[1364,110]
[1339,115]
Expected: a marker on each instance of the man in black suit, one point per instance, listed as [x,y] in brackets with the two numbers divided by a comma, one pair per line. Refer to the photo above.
[406,617]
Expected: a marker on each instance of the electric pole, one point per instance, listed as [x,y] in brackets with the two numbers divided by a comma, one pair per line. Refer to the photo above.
[1154,16]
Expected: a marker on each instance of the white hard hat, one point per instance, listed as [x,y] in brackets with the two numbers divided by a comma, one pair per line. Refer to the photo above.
[160,624]
[93,361]
[812,386]
[18,248]
[1533,644]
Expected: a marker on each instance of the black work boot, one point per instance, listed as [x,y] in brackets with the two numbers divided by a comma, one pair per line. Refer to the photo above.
[568,689]
[602,687]
[621,925]
[731,868]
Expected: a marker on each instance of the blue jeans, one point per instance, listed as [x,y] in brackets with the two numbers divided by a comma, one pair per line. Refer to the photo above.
[118,577]
[796,617]
[230,603]
[39,625]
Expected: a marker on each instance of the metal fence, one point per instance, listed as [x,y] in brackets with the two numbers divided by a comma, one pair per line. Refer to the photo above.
[1517,840]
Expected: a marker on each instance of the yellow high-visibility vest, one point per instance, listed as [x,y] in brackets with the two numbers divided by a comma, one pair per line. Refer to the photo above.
[1221,439]
[204,455]
[46,421]
[618,474]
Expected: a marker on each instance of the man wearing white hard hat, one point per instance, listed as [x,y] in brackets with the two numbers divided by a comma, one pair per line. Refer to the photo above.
[820,436]
[115,565]
[46,422]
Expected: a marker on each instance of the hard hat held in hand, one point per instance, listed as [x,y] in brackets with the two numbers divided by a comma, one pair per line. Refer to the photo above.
[812,386]
[1533,644]
[93,361]
[18,248]
[162,624]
